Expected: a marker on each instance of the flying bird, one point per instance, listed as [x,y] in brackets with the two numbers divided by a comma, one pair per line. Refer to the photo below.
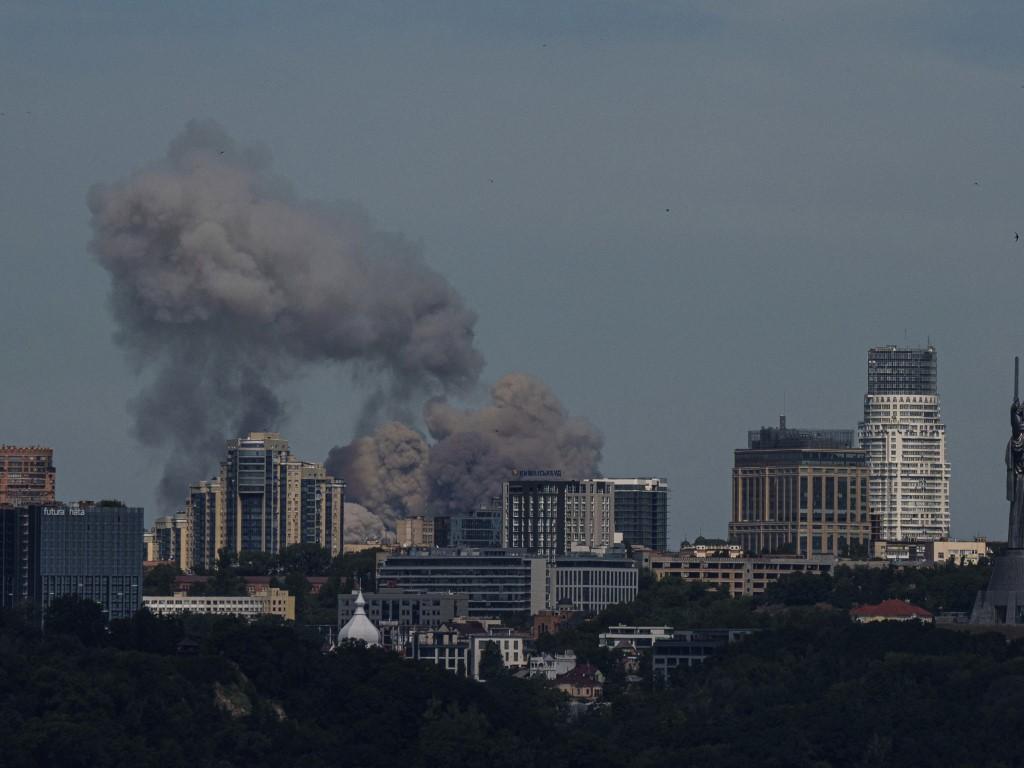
[1016,236]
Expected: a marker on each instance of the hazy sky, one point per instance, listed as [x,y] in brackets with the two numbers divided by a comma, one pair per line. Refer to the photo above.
[835,177]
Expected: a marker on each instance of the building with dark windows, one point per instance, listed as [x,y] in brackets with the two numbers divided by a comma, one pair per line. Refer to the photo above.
[802,492]
[406,609]
[27,475]
[905,439]
[91,550]
[641,511]
[263,499]
[479,528]
[552,516]
[499,582]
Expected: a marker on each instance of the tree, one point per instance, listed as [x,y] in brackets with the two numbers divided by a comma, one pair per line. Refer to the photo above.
[160,580]
[491,663]
[307,559]
[73,615]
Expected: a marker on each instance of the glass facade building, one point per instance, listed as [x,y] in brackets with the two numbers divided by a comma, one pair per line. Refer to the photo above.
[641,511]
[91,550]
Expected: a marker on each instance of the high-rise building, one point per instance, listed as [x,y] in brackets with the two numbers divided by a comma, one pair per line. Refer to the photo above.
[800,491]
[554,516]
[92,550]
[263,499]
[205,510]
[905,441]
[173,541]
[641,511]
[27,475]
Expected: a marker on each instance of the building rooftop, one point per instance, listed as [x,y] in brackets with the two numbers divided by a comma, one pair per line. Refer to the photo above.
[771,438]
[891,609]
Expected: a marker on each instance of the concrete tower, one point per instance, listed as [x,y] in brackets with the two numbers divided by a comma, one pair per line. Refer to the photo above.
[905,440]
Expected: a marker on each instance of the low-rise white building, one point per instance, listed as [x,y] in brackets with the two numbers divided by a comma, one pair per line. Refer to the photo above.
[633,637]
[551,666]
[271,602]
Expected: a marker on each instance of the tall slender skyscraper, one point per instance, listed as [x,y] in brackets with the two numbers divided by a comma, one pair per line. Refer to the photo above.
[905,439]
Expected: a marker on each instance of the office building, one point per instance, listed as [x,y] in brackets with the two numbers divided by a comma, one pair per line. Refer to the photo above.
[641,511]
[91,550]
[499,582]
[740,576]
[550,516]
[263,499]
[801,492]
[591,583]
[406,609]
[416,531]
[268,602]
[479,528]
[905,440]
[27,476]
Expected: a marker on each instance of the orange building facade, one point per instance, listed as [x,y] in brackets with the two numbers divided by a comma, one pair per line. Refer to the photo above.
[27,475]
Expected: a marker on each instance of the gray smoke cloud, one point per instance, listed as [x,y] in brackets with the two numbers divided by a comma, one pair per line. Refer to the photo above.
[396,471]
[361,524]
[224,284]
[385,472]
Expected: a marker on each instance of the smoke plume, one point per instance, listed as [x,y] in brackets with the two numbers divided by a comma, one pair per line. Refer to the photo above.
[224,284]
[395,471]
[361,524]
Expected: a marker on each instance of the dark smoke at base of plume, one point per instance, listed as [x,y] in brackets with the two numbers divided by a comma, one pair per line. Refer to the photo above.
[224,284]
[396,472]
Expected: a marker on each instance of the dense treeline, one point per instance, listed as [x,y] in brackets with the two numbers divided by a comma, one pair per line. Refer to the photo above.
[810,688]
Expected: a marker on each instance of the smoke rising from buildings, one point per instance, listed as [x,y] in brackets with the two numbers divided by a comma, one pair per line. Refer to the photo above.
[396,472]
[224,284]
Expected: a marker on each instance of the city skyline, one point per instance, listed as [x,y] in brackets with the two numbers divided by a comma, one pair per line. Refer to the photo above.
[701,194]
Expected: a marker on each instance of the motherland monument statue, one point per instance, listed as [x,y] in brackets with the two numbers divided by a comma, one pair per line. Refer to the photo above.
[1003,601]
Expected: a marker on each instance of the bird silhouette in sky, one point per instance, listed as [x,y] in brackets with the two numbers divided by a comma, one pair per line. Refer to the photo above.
[1016,236]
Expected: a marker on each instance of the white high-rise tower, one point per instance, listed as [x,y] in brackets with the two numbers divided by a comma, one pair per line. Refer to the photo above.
[905,440]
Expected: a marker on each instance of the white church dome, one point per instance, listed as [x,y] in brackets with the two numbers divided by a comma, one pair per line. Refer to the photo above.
[359,627]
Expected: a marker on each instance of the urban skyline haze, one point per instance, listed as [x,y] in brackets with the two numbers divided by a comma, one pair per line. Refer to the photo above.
[684,218]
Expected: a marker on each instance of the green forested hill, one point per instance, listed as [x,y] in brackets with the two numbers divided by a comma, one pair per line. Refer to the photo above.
[809,689]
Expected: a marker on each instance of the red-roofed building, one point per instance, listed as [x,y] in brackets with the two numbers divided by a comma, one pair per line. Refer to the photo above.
[891,610]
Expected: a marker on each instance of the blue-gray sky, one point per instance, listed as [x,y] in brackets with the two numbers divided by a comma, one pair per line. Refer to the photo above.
[836,176]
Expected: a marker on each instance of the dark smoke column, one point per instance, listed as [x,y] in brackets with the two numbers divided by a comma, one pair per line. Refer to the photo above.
[223,284]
